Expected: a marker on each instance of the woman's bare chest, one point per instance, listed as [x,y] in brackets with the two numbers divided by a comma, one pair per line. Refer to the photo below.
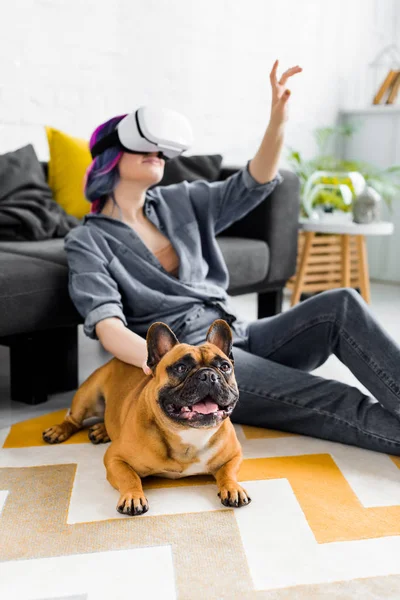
[150,235]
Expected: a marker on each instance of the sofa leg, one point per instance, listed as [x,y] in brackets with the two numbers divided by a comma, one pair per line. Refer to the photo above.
[43,363]
[270,303]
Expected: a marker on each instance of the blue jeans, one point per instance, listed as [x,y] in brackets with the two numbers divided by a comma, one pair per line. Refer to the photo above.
[274,356]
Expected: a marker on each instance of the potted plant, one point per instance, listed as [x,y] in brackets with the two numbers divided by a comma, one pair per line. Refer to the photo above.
[327,176]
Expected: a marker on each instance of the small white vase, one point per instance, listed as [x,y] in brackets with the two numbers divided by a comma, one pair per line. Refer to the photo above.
[367,206]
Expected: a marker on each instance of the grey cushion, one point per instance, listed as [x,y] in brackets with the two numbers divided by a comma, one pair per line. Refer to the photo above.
[33,295]
[247,260]
[34,281]
[27,209]
[51,250]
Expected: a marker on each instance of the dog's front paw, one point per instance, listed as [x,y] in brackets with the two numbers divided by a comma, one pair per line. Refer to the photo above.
[234,495]
[133,504]
[98,434]
[58,433]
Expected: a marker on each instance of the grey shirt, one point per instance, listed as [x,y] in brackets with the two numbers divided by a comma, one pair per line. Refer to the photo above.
[112,273]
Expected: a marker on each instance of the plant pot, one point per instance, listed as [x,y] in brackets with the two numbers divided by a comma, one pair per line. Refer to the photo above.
[331,191]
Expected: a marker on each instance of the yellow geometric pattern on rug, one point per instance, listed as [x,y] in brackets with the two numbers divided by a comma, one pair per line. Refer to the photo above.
[29,433]
[330,506]
[39,499]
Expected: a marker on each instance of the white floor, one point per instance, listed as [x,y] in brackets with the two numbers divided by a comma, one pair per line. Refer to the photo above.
[385,304]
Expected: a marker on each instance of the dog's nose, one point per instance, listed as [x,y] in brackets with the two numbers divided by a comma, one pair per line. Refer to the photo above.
[208,375]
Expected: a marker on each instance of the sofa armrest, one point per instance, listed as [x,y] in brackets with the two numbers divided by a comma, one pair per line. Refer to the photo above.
[275,221]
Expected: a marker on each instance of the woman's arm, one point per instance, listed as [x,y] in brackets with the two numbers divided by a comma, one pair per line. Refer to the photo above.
[96,296]
[123,343]
[92,289]
[220,203]
[264,166]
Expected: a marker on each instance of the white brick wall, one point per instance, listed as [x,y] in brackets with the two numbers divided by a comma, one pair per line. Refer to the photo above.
[74,63]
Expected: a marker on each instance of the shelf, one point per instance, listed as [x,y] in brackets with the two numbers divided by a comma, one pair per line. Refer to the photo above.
[375,109]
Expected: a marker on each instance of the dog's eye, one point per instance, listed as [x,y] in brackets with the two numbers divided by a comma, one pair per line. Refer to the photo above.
[225,366]
[181,368]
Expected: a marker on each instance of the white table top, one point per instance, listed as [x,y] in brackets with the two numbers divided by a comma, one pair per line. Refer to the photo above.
[378,228]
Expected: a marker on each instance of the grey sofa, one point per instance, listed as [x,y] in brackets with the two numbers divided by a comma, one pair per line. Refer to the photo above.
[39,323]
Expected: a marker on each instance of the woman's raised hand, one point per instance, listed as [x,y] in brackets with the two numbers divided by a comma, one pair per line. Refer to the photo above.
[280,94]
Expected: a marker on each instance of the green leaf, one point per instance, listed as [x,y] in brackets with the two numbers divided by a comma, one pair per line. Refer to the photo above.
[348,129]
[322,136]
[295,156]
[394,170]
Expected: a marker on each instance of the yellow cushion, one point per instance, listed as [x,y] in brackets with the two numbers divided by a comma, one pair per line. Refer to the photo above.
[69,159]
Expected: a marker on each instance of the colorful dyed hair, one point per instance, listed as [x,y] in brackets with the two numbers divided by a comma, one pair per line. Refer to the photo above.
[102,175]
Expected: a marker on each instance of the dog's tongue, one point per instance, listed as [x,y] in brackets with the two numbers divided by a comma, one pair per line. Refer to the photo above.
[205,407]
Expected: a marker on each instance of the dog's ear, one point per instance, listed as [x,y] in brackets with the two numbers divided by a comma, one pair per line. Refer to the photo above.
[220,334]
[160,339]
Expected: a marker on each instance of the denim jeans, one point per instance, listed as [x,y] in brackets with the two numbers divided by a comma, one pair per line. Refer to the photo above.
[274,356]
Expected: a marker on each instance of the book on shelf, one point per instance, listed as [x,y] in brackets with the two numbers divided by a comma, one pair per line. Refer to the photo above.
[387,87]
[394,90]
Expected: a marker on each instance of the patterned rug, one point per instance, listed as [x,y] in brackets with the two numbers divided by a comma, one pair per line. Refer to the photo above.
[324,523]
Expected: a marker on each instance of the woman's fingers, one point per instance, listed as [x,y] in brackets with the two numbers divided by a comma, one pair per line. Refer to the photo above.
[146,368]
[285,96]
[272,75]
[289,73]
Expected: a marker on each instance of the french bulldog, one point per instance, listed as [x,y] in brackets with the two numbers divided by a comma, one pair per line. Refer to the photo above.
[172,423]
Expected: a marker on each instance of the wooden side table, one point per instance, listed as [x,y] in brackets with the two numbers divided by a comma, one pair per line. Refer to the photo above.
[333,255]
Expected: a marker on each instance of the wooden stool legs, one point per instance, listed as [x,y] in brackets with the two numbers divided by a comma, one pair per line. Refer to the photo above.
[329,262]
[345,260]
[309,238]
[363,268]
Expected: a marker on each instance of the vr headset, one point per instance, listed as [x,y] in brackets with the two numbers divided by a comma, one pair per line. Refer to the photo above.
[149,129]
